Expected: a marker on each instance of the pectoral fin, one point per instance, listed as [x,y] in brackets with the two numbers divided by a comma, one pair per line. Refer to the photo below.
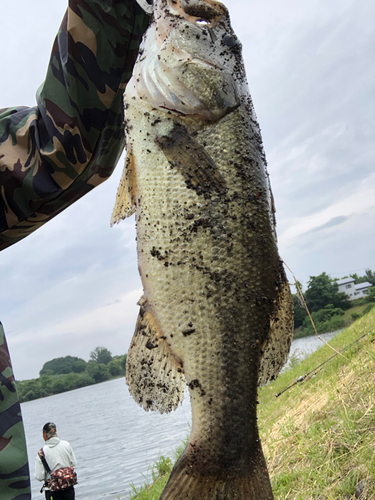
[275,348]
[154,376]
[192,160]
[126,192]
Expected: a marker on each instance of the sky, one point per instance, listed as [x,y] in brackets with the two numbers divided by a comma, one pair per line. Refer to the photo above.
[73,285]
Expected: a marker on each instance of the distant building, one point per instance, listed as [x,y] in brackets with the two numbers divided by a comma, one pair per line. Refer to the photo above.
[353,291]
[362,289]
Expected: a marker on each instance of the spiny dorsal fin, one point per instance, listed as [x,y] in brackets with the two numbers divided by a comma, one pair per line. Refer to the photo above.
[276,346]
[154,376]
[126,192]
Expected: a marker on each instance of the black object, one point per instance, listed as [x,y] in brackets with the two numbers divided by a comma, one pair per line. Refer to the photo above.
[46,466]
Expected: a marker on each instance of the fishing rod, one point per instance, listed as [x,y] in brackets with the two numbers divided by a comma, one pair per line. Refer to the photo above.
[319,367]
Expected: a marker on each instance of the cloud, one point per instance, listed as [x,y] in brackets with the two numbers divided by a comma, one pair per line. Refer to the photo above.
[335,221]
[74,283]
[339,251]
[359,202]
[75,333]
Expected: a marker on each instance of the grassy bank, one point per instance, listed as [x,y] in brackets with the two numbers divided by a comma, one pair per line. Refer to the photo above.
[319,436]
[335,323]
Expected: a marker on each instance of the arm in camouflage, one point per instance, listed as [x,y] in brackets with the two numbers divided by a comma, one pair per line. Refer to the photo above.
[54,153]
[14,470]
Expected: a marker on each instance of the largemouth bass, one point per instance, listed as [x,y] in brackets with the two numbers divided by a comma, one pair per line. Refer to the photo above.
[216,311]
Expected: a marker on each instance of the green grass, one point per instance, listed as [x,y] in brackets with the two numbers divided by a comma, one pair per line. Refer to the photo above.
[319,436]
[356,310]
[160,472]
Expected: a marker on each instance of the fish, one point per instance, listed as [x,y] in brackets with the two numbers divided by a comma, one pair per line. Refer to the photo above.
[216,313]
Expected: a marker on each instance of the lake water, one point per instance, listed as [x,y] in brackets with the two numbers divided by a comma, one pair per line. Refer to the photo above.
[307,345]
[115,441]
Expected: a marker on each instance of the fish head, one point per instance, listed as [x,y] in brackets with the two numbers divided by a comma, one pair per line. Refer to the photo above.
[190,61]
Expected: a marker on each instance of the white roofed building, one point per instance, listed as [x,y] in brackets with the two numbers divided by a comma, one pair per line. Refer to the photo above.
[348,286]
[362,289]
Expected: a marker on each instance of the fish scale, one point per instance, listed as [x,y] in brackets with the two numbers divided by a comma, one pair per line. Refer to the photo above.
[216,312]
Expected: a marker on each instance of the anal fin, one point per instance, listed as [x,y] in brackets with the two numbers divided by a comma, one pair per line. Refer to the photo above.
[154,375]
[126,192]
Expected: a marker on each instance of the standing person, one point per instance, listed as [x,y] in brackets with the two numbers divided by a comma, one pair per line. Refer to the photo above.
[58,454]
[57,151]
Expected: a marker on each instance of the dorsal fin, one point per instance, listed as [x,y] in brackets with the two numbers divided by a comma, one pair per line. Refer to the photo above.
[154,375]
[126,192]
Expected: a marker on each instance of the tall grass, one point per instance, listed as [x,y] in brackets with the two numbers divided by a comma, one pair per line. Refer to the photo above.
[160,471]
[318,437]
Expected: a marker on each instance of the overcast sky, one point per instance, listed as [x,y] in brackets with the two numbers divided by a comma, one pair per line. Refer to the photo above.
[74,285]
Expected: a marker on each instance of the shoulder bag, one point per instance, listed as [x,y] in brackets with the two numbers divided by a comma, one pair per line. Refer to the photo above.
[60,479]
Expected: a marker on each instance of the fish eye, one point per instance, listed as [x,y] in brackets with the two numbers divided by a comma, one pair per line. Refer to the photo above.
[205,12]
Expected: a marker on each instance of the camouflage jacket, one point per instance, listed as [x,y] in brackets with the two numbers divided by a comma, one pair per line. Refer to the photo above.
[54,153]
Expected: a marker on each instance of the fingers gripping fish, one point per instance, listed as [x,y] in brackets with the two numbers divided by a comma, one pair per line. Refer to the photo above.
[216,311]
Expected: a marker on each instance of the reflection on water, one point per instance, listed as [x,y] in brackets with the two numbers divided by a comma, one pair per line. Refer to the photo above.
[114,440]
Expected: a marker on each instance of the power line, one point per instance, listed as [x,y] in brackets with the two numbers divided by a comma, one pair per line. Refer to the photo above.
[355,270]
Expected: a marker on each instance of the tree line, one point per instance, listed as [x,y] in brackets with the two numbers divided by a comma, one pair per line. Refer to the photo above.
[326,304]
[69,372]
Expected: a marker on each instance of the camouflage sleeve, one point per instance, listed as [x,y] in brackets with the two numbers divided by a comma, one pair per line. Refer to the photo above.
[14,469]
[54,153]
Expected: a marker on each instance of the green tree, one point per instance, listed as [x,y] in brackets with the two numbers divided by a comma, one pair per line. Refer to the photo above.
[101,355]
[84,379]
[325,314]
[98,371]
[370,276]
[46,382]
[358,279]
[30,389]
[123,362]
[300,313]
[59,385]
[115,368]
[67,364]
[371,294]
[322,291]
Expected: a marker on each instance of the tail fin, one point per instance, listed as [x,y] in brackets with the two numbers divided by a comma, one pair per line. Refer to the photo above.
[190,481]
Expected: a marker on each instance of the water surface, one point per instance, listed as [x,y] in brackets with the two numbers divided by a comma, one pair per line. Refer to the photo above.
[114,440]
